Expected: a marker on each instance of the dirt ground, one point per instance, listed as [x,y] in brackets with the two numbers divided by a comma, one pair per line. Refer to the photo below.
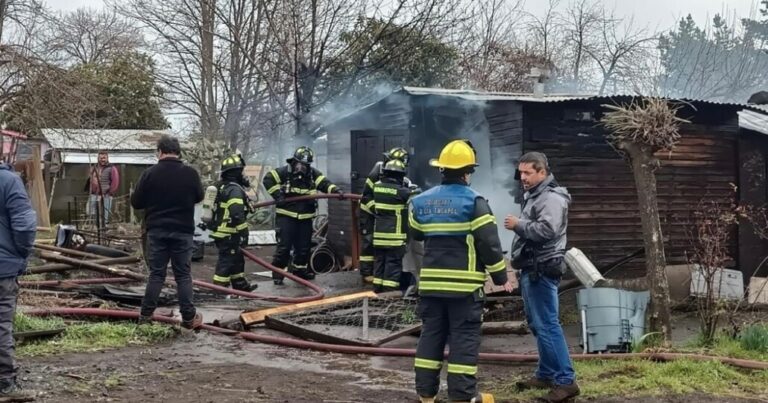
[203,367]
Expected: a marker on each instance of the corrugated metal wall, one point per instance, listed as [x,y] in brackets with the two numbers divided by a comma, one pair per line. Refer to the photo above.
[604,220]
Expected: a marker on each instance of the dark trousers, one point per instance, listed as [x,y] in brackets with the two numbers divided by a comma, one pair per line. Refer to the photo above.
[9,289]
[388,269]
[455,321]
[164,246]
[231,263]
[366,254]
[292,235]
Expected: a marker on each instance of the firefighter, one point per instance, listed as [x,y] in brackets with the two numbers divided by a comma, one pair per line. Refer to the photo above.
[366,215]
[390,233]
[230,229]
[461,247]
[294,219]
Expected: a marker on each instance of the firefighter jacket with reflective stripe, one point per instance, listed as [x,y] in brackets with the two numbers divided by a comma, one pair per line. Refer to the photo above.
[366,202]
[282,183]
[232,210]
[461,241]
[390,209]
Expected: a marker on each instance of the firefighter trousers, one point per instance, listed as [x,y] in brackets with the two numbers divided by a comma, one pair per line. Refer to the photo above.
[292,235]
[231,264]
[367,257]
[455,321]
[388,268]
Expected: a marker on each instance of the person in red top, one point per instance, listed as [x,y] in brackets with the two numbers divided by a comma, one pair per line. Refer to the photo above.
[105,180]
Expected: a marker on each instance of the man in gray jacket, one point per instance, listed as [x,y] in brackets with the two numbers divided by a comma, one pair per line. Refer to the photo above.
[538,254]
[18,225]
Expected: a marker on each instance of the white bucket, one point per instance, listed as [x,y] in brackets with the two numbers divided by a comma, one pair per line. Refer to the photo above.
[584,270]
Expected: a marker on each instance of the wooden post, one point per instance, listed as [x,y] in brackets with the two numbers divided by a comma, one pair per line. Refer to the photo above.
[365,318]
[355,243]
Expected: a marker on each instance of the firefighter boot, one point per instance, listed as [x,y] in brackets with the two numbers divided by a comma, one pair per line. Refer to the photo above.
[242,284]
[304,273]
[277,278]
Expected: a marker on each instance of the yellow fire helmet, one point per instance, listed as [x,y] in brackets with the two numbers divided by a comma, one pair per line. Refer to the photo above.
[457,154]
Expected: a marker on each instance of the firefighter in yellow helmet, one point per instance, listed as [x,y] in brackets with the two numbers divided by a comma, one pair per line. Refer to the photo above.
[461,247]
[230,228]
[293,220]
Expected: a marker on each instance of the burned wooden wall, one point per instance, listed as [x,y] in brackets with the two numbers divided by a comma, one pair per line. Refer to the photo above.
[604,221]
[753,192]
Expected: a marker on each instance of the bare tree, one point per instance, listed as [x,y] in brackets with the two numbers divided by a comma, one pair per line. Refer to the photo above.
[581,22]
[87,36]
[620,45]
[547,31]
[638,131]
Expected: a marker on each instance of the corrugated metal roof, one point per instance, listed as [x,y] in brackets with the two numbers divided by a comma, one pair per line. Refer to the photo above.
[547,98]
[120,157]
[112,140]
[753,121]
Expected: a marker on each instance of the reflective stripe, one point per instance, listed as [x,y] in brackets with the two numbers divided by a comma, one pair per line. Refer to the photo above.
[446,227]
[427,363]
[390,283]
[380,189]
[331,188]
[462,369]
[458,274]
[231,202]
[382,242]
[220,279]
[238,275]
[366,258]
[276,176]
[303,191]
[496,267]
[226,230]
[390,207]
[412,221]
[319,179]
[377,281]
[471,254]
[387,235]
[242,227]
[273,189]
[369,183]
[367,207]
[445,286]
[295,215]
[300,266]
[482,220]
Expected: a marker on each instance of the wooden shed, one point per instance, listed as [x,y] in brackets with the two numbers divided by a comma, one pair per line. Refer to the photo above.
[604,221]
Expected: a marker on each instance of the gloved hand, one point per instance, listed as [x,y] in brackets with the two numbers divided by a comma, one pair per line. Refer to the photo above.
[202,226]
[339,192]
[243,240]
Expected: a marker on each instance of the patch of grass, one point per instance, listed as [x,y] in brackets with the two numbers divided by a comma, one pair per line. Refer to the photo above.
[726,346]
[755,338]
[97,336]
[633,378]
[26,323]
[113,381]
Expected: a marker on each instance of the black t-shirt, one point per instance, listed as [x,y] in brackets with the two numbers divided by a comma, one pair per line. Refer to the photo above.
[168,191]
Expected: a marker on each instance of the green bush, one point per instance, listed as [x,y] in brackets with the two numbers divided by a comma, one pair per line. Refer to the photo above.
[755,338]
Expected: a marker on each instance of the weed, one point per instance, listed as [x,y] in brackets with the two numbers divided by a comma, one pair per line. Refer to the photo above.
[113,381]
[724,345]
[97,336]
[26,323]
[755,338]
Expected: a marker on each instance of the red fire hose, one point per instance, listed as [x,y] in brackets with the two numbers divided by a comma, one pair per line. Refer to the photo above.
[394,352]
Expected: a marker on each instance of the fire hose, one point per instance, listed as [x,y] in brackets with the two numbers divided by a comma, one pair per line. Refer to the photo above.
[394,352]
[318,293]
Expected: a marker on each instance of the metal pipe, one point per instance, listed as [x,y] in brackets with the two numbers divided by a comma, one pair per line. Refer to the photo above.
[395,352]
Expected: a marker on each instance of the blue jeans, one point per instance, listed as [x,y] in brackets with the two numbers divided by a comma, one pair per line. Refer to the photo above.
[93,207]
[542,310]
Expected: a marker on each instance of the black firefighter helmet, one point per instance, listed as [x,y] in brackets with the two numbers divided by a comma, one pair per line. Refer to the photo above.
[303,155]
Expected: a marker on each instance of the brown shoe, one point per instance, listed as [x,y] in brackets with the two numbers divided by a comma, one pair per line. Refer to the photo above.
[195,323]
[562,393]
[534,383]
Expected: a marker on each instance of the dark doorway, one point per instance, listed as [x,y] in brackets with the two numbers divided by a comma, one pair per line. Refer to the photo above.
[367,149]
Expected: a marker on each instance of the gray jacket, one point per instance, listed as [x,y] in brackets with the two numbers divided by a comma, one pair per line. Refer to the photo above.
[18,224]
[541,231]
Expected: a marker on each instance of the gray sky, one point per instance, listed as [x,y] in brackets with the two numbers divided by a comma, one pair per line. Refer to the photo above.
[654,14]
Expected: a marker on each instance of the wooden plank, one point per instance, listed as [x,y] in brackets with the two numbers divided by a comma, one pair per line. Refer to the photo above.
[303,333]
[253,317]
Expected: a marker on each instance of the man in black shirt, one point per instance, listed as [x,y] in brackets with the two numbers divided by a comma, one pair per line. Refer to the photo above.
[168,192]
